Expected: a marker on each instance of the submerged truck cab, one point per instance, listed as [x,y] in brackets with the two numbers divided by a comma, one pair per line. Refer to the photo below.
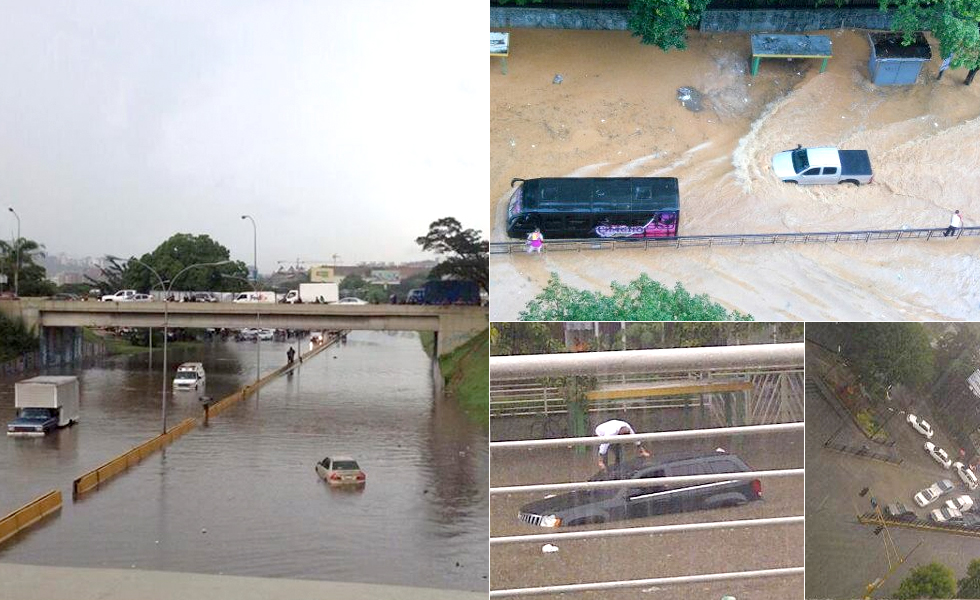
[604,207]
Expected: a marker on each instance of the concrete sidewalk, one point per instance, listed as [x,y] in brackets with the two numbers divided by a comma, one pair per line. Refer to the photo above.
[30,582]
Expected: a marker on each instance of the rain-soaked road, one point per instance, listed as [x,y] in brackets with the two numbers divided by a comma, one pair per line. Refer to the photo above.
[241,496]
[641,557]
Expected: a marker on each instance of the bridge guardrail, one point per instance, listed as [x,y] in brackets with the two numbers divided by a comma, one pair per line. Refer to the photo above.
[746,239]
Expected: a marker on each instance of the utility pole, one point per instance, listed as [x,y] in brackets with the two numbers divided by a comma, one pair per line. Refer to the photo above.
[895,559]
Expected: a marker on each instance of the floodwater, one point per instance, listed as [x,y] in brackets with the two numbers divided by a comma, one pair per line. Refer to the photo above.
[650,556]
[843,556]
[241,496]
[616,113]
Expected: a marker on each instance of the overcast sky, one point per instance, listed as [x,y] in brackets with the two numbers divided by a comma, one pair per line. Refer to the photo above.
[341,127]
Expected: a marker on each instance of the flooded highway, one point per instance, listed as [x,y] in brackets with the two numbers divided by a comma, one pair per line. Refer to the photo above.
[241,496]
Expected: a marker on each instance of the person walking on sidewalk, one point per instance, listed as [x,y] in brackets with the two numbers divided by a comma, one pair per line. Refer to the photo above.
[613,428]
[955,222]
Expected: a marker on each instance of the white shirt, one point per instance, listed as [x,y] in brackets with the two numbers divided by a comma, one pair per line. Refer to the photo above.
[956,221]
[609,429]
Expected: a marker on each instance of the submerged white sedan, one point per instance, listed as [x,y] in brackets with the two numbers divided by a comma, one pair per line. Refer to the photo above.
[939,454]
[920,425]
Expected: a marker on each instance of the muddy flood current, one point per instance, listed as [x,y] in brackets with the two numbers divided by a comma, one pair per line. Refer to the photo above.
[616,113]
[241,496]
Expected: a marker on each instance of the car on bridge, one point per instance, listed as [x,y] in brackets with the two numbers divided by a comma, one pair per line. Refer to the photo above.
[120,296]
[939,454]
[352,300]
[934,491]
[341,470]
[966,474]
[583,507]
[920,425]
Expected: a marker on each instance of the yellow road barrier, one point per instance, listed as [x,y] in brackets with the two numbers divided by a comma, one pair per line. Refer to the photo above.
[92,479]
[248,390]
[668,389]
[29,514]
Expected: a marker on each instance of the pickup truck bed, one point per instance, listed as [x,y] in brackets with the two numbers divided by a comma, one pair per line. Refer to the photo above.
[855,162]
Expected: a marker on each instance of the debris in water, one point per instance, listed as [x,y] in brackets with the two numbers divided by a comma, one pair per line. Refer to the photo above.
[204,530]
[549,548]
[690,98]
[558,79]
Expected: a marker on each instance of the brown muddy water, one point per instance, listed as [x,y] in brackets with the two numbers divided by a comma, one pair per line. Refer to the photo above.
[241,496]
[616,113]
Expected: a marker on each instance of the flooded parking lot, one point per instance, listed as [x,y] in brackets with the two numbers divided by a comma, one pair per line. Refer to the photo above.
[241,496]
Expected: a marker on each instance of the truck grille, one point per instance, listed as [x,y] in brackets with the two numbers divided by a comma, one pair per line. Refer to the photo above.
[529,518]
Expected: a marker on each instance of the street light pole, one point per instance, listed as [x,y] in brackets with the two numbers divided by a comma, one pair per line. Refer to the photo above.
[166,319]
[255,287]
[17,264]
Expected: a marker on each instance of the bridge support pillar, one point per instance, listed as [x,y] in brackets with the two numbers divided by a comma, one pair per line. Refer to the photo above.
[42,335]
[438,382]
[59,345]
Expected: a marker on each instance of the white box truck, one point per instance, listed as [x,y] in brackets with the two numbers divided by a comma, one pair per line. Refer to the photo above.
[44,403]
[312,293]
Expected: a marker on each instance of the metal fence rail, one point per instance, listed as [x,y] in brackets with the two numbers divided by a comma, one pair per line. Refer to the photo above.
[871,518]
[641,481]
[652,530]
[641,437]
[666,360]
[746,239]
[632,583]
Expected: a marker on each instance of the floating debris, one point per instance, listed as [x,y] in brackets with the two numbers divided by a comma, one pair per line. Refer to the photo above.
[558,79]
[691,98]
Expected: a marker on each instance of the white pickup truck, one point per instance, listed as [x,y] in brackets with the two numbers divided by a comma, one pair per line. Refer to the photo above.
[808,166]
[120,296]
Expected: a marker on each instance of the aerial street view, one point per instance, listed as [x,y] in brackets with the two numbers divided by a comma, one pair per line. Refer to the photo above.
[635,460]
[243,349]
[892,451]
[807,165]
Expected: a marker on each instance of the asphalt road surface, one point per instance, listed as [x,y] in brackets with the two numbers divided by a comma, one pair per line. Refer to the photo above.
[648,556]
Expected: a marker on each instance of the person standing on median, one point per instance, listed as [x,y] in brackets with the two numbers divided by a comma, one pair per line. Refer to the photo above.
[955,222]
[610,429]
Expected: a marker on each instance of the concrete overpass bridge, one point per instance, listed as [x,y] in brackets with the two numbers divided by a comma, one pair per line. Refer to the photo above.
[452,325]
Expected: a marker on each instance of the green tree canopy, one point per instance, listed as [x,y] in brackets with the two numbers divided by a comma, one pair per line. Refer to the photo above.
[884,354]
[934,580]
[969,586]
[171,257]
[664,23]
[467,254]
[953,22]
[31,277]
[642,299]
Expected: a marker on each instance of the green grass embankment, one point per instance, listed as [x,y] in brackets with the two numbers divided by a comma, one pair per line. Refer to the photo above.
[466,371]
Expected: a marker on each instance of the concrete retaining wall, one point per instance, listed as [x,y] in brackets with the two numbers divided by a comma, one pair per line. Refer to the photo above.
[720,21]
[713,21]
[552,18]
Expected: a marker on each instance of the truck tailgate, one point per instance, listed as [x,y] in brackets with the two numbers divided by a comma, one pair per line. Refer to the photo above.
[855,162]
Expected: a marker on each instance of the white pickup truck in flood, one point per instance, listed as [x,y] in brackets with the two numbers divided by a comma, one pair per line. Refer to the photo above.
[808,166]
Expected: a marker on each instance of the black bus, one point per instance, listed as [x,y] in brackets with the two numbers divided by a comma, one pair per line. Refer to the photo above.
[606,207]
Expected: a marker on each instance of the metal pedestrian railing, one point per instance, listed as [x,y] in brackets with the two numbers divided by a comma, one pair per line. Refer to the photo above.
[745,239]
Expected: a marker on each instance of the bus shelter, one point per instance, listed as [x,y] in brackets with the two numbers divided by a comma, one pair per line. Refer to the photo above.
[773,45]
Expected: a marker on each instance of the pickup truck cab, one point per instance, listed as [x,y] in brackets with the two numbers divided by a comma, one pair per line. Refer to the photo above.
[33,421]
[120,296]
[809,166]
